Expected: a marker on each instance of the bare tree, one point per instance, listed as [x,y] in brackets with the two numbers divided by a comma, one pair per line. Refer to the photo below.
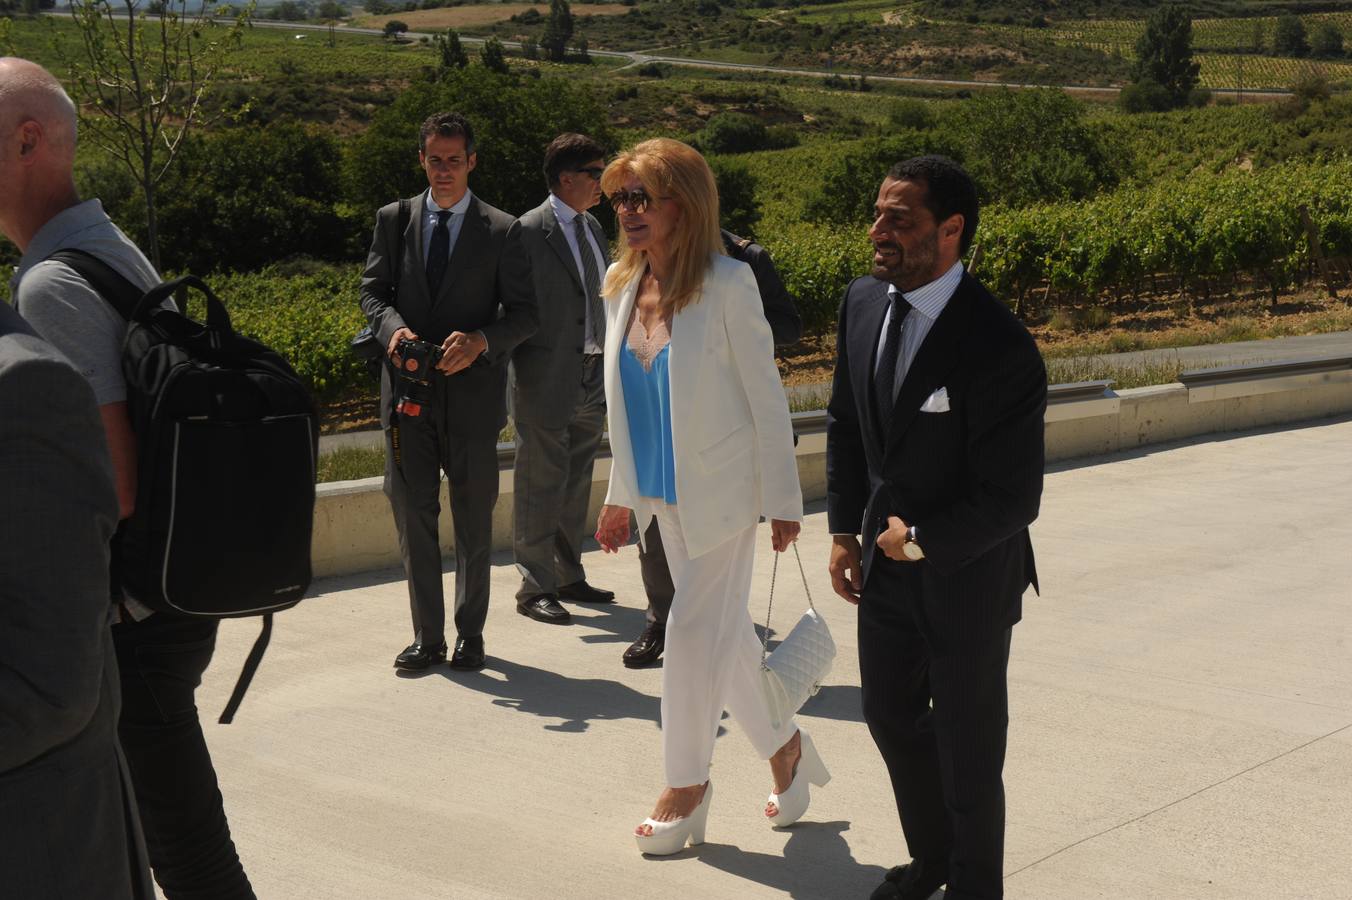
[141,76]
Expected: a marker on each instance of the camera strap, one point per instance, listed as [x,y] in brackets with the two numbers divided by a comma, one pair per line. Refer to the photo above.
[396,389]
[401,225]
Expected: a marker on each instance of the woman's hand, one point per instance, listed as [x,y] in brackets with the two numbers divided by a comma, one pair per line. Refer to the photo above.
[612,528]
[783,533]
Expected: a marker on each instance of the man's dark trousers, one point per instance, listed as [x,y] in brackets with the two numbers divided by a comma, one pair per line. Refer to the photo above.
[188,838]
[413,483]
[956,749]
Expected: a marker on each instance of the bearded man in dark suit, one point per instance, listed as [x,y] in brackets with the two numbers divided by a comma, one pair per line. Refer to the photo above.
[935,457]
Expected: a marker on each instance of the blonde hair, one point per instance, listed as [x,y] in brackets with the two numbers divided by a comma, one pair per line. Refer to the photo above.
[668,168]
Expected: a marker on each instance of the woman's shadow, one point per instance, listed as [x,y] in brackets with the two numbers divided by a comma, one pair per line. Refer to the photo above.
[817,864]
[576,701]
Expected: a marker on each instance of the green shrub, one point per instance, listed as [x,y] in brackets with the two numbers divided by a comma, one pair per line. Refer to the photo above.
[307,317]
[1145,96]
[732,132]
[244,197]
[1030,146]
[848,185]
[817,263]
[738,209]
[911,113]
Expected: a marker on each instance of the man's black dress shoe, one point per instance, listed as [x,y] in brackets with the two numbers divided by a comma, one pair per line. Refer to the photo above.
[544,608]
[469,654]
[416,656]
[645,650]
[581,592]
[917,880]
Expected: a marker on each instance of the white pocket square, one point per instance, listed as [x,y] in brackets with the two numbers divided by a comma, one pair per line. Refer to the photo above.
[936,402]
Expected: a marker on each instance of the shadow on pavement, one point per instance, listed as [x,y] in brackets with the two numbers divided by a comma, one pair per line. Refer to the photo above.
[617,624]
[577,701]
[841,702]
[817,863]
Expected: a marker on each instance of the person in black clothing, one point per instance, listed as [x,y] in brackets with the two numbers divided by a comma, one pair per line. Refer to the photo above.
[787,327]
[934,459]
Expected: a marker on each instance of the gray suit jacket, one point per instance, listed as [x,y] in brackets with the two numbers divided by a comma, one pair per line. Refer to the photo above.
[547,366]
[487,288]
[68,824]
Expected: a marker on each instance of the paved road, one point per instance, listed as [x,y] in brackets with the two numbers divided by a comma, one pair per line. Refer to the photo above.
[1181,700]
[1283,349]
[640,57]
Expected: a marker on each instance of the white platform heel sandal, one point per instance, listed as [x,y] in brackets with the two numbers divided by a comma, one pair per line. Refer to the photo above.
[792,804]
[671,837]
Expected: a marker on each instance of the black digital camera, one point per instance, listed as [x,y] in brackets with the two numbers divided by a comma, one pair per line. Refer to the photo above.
[418,359]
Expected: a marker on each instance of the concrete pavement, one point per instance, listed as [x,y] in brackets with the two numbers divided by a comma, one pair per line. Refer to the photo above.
[1181,704]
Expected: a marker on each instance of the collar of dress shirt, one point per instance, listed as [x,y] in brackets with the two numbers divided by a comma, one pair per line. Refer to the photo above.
[459,208]
[930,299]
[562,211]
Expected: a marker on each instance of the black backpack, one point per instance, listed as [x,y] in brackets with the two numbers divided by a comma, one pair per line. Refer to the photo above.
[227,441]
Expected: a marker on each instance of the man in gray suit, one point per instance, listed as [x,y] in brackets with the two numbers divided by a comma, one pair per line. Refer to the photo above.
[68,823]
[558,394]
[456,277]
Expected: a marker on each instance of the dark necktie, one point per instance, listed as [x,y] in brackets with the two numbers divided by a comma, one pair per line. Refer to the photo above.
[591,282]
[439,254]
[885,381]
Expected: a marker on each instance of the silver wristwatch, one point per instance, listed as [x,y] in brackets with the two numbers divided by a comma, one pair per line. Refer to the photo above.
[910,548]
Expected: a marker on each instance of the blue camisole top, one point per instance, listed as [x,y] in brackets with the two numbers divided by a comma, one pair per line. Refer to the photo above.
[647,404]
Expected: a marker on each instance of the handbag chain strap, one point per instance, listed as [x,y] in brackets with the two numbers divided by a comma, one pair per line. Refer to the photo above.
[774,571]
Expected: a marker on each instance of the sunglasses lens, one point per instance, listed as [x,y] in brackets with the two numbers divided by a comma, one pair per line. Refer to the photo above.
[636,200]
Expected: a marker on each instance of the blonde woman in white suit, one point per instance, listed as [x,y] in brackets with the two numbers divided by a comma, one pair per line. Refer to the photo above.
[701,440]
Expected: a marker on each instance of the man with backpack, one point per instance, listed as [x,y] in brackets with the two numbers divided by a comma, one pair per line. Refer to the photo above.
[161,656]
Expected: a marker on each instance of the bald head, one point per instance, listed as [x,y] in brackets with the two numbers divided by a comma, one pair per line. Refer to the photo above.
[37,149]
[28,92]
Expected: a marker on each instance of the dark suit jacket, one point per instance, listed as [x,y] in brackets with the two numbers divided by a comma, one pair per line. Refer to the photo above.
[547,366]
[487,288]
[68,823]
[969,479]
[785,323]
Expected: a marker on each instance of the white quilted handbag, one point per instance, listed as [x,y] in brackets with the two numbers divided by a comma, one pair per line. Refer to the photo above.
[802,660]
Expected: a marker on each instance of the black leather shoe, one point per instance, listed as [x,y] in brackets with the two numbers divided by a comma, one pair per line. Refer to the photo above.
[649,646]
[469,654]
[416,656]
[917,880]
[581,592]
[544,608]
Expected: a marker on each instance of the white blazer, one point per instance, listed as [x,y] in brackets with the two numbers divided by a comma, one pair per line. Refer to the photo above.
[730,428]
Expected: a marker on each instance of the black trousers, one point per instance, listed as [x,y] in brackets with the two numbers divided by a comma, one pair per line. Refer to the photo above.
[161,661]
[940,722]
[413,484]
[652,563]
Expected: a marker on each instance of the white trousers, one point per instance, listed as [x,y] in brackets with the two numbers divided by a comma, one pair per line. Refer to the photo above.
[712,657]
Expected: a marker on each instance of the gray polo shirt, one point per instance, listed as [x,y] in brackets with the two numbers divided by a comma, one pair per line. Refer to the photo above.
[65,310]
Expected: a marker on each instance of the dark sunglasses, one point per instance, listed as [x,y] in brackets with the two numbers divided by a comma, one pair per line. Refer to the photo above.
[636,200]
[594,171]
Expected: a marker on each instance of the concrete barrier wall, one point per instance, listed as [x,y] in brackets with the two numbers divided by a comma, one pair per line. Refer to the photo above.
[354,531]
